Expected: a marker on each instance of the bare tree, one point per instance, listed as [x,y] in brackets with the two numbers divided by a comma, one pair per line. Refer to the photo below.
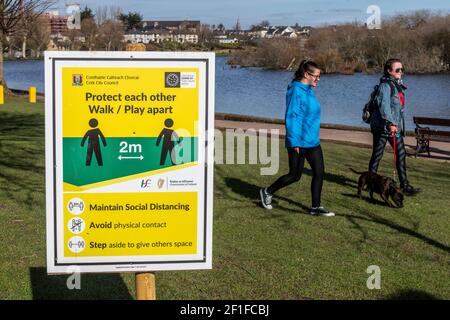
[107,13]
[111,35]
[14,11]
[39,35]
[206,34]
[264,23]
[89,31]
[74,39]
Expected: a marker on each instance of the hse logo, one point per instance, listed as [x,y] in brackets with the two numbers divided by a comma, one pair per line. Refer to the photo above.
[77,80]
[172,79]
[145,184]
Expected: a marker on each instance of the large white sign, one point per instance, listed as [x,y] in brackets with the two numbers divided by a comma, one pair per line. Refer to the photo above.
[129,161]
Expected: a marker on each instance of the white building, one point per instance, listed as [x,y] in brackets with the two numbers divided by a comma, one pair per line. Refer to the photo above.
[258,32]
[279,31]
[158,36]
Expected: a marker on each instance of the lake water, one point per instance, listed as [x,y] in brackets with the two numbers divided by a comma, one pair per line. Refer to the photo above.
[257,92]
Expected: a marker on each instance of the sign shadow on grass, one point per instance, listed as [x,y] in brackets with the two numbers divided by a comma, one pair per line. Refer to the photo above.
[93,286]
[21,168]
[370,217]
[367,199]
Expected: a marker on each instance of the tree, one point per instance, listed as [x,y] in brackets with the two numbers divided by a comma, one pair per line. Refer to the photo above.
[12,12]
[205,35]
[264,23]
[111,35]
[73,41]
[89,31]
[39,36]
[107,13]
[86,13]
[131,21]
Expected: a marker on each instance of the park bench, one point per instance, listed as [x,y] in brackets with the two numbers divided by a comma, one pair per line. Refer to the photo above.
[425,134]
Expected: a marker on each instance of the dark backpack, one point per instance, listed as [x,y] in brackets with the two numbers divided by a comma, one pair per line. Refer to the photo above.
[371,105]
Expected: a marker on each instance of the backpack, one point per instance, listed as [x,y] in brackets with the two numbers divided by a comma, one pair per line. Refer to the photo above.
[371,105]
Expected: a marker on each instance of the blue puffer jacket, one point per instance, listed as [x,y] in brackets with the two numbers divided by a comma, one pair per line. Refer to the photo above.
[302,116]
[389,110]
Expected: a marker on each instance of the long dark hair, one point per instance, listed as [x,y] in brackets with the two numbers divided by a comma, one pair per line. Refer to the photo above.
[304,67]
[388,66]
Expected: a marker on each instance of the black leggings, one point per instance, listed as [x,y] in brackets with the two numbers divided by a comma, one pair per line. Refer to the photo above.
[379,142]
[314,156]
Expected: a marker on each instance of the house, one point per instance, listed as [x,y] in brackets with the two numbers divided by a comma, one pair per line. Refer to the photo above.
[58,24]
[272,32]
[191,26]
[258,32]
[223,39]
[159,35]
[280,31]
[135,36]
[303,31]
[157,31]
[286,32]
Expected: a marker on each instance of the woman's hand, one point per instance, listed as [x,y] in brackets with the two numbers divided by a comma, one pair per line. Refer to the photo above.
[297,150]
[393,129]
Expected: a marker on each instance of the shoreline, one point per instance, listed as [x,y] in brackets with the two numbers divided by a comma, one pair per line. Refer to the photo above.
[341,134]
[243,118]
[222,53]
[377,72]
[255,119]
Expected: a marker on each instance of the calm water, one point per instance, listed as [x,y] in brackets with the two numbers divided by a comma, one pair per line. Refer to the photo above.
[253,91]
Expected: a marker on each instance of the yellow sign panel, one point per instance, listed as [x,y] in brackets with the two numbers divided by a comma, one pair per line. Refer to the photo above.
[126,101]
[131,224]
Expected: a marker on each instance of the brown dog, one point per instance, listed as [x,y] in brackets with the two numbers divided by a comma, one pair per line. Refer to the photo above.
[386,187]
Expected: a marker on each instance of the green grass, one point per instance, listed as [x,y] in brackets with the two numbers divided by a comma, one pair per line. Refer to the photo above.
[257,254]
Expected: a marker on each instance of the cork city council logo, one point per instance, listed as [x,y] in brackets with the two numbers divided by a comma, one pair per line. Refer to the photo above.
[77,79]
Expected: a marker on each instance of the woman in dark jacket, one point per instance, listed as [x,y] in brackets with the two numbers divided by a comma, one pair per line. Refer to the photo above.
[388,121]
[302,120]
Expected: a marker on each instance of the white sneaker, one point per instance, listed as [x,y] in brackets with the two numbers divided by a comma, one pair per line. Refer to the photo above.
[321,211]
[266,198]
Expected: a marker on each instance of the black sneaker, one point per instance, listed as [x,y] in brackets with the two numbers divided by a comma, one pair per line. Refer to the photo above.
[266,198]
[409,190]
[321,211]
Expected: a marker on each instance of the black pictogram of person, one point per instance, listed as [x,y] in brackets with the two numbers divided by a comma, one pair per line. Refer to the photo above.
[169,138]
[94,142]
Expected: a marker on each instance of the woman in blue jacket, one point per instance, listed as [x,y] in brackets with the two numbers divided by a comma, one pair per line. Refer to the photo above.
[302,121]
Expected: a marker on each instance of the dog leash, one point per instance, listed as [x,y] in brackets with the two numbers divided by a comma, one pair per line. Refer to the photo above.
[394,138]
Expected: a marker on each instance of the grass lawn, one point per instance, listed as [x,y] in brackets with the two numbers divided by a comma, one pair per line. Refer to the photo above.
[257,254]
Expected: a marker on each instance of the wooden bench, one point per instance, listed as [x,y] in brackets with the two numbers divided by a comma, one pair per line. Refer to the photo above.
[425,134]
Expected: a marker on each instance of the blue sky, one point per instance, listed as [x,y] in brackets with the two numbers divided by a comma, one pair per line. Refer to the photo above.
[277,12]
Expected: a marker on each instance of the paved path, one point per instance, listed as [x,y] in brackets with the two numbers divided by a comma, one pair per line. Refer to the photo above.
[440,150]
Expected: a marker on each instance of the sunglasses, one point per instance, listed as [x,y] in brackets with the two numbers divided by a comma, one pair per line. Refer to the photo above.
[312,75]
[398,70]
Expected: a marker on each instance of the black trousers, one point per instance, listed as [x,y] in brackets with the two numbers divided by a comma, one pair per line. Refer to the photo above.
[379,142]
[314,156]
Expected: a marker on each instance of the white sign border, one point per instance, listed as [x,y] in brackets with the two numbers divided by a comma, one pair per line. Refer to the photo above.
[50,122]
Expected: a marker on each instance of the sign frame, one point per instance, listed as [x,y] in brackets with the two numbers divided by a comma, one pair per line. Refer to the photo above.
[53,123]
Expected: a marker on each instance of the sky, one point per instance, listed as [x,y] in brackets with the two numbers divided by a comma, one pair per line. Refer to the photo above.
[277,12]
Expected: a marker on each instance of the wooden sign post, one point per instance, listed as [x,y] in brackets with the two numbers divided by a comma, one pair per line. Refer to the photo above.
[145,286]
